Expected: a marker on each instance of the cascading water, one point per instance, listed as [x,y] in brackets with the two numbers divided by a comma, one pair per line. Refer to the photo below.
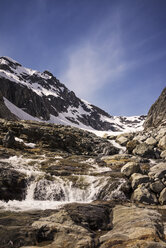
[44,193]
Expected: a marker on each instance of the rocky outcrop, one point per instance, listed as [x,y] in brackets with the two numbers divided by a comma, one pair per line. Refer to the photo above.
[144,150]
[16,228]
[12,184]
[121,226]
[157,113]
[134,227]
[143,195]
[62,231]
[162,143]
[56,137]
[4,111]
[138,179]
[91,216]
[149,185]
[130,168]
[73,226]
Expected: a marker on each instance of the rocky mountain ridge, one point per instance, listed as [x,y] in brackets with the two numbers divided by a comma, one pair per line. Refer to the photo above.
[157,113]
[32,95]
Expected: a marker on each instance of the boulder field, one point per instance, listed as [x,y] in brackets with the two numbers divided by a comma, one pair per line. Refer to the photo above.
[126,188]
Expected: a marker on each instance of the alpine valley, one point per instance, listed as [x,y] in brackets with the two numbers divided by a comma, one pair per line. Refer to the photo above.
[72,175]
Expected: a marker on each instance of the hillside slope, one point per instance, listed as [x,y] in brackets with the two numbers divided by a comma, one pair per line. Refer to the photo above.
[32,95]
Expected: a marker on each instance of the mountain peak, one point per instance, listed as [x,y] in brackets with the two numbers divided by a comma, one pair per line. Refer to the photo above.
[47,73]
[32,95]
[9,61]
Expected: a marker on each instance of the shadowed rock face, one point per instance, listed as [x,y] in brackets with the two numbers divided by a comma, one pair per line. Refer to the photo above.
[157,112]
[12,184]
[42,105]
[4,111]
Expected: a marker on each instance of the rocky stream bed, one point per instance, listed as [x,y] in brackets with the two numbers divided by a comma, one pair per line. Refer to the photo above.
[61,187]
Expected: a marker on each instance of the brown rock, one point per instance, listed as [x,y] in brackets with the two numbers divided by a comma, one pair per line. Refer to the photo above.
[130,168]
[162,143]
[143,195]
[131,145]
[134,227]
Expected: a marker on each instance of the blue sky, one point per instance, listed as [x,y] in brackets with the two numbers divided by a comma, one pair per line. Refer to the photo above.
[111,53]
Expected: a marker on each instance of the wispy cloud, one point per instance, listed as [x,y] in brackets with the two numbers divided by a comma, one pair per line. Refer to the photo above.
[103,57]
[91,65]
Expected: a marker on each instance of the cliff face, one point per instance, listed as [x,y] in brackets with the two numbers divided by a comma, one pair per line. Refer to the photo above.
[157,113]
[4,111]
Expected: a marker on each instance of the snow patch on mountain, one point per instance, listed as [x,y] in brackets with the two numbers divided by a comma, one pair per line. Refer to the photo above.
[46,99]
[22,115]
[60,119]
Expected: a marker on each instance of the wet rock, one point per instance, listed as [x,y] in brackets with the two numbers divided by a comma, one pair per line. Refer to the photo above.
[16,236]
[137,179]
[144,150]
[162,198]
[143,195]
[16,228]
[115,189]
[130,168]
[47,190]
[91,216]
[126,188]
[116,161]
[62,231]
[12,185]
[9,140]
[134,227]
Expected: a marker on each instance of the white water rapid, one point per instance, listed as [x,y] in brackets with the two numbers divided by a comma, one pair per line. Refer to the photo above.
[44,193]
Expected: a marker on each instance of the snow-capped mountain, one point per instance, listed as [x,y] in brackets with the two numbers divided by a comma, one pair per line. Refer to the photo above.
[31,95]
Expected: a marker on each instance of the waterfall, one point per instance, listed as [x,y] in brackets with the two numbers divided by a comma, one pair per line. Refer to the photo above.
[55,191]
